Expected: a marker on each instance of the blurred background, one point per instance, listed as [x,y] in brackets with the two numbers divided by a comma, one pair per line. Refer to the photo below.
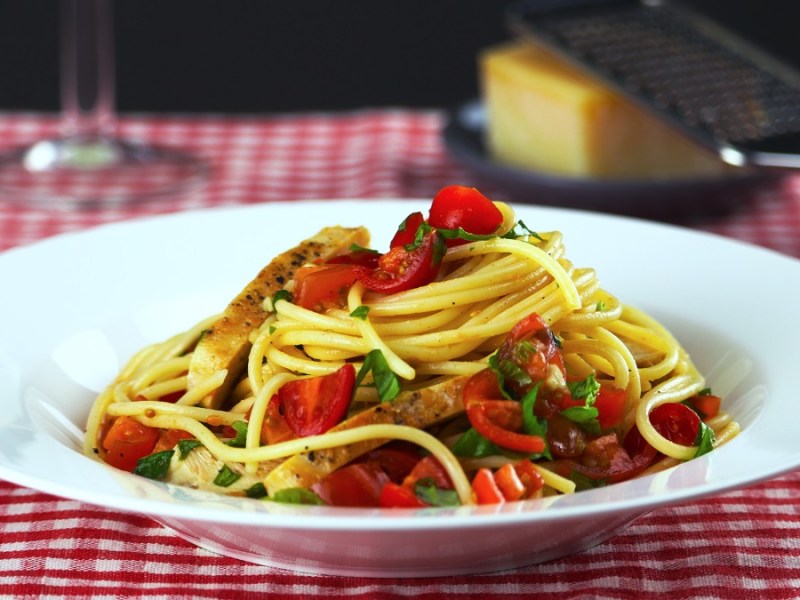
[257,56]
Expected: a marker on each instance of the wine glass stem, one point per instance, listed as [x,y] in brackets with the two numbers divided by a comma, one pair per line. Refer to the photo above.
[87,69]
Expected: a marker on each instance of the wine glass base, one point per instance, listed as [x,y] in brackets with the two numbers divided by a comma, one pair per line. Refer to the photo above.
[72,173]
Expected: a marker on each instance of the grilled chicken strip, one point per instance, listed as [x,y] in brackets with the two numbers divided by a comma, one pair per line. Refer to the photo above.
[226,344]
[422,409]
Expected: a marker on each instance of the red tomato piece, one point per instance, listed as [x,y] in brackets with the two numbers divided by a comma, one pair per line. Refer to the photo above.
[610,405]
[400,269]
[274,428]
[397,459]
[485,488]
[531,346]
[432,469]
[493,419]
[408,230]
[509,483]
[168,439]
[394,495]
[317,288]
[676,422]
[363,258]
[708,404]
[314,405]
[529,476]
[127,441]
[464,207]
[358,484]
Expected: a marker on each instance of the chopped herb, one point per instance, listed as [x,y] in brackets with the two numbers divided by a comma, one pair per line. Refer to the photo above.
[186,446]
[426,490]
[586,415]
[226,476]
[297,496]
[705,440]
[356,248]
[507,369]
[384,379]
[585,390]
[582,482]
[600,306]
[257,490]
[531,424]
[360,312]
[521,230]
[241,435]
[272,329]
[281,295]
[154,466]
[473,444]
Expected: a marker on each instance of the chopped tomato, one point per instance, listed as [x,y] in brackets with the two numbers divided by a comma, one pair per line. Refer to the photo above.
[363,258]
[274,428]
[432,469]
[320,287]
[457,206]
[707,404]
[168,438]
[529,476]
[408,230]
[485,488]
[532,347]
[397,459]
[499,421]
[395,495]
[610,405]
[358,484]
[312,406]
[127,441]
[509,483]
[401,269]
[676,422]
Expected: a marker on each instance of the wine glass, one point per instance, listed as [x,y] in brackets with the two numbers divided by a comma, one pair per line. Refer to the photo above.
[87,165]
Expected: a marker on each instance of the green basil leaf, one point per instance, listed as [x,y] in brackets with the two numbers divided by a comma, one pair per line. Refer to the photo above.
[585,416]
[297,496]
[154,466]
[705,440]
[226,476]
[360,312]
[425,489]
[257,490]
[240,441]
[521,230]
[473,444]
[186,446]
[385,380]
[531,424]
[281,295]
[582,482]
[506,369]
[356,248]
[585,390]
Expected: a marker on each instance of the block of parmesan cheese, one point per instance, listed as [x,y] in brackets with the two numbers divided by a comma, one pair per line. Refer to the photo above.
[543,114]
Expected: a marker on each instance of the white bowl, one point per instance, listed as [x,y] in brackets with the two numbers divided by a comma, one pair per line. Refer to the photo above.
[78,305]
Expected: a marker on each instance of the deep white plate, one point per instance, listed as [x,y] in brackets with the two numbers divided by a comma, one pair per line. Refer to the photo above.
[75,307]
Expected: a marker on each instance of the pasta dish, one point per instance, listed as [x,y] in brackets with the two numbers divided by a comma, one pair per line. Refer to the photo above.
[471,362]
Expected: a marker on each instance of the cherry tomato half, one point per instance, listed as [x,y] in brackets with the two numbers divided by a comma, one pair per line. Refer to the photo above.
[317,288]
[314,405]
[457,206]
[358,484]
[676,422]
[401,269]
[408,230]
[127,441]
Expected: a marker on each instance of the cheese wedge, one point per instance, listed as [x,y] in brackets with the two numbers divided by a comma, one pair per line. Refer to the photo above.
[544,115]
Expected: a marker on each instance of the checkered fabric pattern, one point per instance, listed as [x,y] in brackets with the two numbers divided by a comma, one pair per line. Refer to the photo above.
[741,544]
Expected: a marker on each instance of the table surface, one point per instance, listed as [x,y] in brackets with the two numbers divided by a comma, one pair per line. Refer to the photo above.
[745,543]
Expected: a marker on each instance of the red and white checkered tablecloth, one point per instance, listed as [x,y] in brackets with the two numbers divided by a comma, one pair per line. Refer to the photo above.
[742,544]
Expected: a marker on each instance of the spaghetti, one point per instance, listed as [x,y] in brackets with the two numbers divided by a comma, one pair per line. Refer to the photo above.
[472,362]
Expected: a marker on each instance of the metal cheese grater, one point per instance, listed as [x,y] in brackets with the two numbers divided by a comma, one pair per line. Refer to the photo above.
[708,82]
